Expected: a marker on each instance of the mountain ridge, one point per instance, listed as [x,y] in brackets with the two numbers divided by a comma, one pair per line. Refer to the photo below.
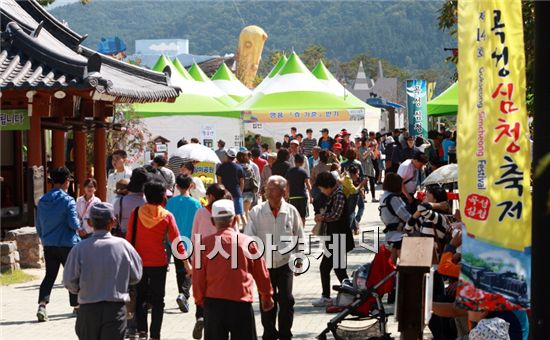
[404,33]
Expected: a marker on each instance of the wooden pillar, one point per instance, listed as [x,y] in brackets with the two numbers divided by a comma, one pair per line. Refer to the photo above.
[100,153]
[80,162]
[34,137]
[58,148]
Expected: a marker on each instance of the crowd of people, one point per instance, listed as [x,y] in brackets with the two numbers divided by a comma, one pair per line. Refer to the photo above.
[117,253]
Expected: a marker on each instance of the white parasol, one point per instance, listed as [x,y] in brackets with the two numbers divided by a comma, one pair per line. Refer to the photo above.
[197,152]
[445,174]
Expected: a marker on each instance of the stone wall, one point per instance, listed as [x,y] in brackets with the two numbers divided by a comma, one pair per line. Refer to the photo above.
[28,245]
[9,257]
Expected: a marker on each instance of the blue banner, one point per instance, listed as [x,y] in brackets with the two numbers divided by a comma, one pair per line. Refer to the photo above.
[417,108]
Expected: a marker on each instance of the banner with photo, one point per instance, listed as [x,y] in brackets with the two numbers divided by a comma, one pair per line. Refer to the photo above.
[493,157]
[417,107]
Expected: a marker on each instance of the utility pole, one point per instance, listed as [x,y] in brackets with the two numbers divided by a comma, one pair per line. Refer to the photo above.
[540,280]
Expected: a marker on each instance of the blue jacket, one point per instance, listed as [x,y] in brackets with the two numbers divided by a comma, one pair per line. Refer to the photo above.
[57,220]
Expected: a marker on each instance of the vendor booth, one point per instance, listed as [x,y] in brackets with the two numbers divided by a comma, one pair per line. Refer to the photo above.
[445,104]
[295,97]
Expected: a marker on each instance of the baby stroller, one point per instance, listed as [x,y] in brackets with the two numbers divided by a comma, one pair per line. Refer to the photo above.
[370,283]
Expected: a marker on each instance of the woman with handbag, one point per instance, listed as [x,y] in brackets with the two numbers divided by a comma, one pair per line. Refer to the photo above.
[335,221]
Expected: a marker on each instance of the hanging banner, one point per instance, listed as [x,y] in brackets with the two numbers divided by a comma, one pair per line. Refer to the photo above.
[493,143]
[14,120]
[417,107]
[296,116]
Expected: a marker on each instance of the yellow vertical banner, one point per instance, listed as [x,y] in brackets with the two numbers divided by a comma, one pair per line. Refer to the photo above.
[493,143]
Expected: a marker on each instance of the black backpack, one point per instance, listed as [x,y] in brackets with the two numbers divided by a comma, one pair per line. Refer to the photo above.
[386,204]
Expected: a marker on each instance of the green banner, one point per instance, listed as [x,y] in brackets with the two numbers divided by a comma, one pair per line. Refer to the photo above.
[417,108]
[14,120]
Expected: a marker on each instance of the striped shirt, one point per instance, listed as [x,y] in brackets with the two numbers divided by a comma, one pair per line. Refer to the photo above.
[307,145]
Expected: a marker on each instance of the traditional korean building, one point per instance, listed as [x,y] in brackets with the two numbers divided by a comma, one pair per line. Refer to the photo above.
[52,87]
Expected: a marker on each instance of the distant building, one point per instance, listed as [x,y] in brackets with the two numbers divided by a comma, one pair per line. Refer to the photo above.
[382,87]
[149,50]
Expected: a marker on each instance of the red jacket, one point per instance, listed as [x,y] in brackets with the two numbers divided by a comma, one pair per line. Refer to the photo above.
[214,278]
[155,226]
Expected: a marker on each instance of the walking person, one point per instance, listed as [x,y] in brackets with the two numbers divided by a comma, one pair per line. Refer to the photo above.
[283,221]
[124,205]
[319,199]
[226,292]
[299,187]
[408,170]
[336,222]
[57,223]
[267,172]
[367,155]
[281,165]
[221,150]
[159,163]
[203,227]
[309,143]
[183,207]
[84,203]
[251,181]
[231,175]
[148,227]
[99,270]
[120,171]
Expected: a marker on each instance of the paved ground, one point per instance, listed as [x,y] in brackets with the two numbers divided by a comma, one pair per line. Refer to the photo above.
[18,320]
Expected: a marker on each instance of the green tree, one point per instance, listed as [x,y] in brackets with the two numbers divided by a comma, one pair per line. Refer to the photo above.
[313,54]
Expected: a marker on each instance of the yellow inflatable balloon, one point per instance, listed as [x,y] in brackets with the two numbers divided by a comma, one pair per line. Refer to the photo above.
[249,53]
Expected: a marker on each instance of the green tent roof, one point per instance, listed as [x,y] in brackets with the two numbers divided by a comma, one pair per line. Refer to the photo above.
[191,100]
[282,61]
[224,73]
[295,88]
[181,69]
[446,103]
[161,63]
[321,72]
[293,65]
[197,74]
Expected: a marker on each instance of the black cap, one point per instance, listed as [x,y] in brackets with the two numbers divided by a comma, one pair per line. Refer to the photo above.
[324,130]
[60,175]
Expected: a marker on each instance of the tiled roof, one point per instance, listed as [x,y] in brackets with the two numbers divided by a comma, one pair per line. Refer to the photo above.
[33,57]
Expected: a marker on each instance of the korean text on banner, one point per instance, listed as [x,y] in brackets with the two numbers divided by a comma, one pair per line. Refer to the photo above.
[417,107]
[14,120]
[493,143]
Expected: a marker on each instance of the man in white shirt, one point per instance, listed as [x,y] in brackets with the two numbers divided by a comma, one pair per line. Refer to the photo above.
[281,220]
[121,171]
[295,149]
[408,170]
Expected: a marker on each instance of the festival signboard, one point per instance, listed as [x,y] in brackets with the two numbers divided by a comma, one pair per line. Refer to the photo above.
[14,120]
[493,157]
[417,108]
